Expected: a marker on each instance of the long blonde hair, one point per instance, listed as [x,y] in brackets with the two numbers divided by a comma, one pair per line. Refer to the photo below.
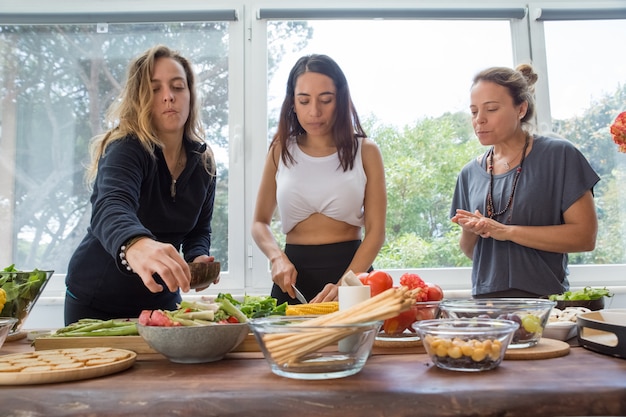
[131,112]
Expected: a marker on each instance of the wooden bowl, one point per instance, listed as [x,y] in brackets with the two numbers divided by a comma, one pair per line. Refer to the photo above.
[203,275]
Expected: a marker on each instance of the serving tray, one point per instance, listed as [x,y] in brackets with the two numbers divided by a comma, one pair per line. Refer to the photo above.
[60,365]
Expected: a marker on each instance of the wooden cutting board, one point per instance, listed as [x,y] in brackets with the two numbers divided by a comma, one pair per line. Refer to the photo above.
[59,365]
[135,343]
[545,349]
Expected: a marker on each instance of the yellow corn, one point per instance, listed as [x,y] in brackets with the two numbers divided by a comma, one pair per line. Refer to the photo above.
[312,308]
[3,298]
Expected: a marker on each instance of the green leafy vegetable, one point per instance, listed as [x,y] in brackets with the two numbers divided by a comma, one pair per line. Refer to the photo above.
[255,306]
[22,289]
[587,293]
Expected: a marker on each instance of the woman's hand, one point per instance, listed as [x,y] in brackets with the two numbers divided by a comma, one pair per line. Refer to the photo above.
[330,292]
[147,257]
[284,274]
[480,225]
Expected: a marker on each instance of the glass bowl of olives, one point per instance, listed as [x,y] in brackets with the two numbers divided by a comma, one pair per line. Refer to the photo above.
[530,313]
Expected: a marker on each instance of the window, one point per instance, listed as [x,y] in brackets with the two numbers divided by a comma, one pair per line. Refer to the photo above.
[587,88]
[410,81]
[409,68]
[57,81]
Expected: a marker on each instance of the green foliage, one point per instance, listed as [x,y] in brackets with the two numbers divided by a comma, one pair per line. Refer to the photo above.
[421,166]
[423,161]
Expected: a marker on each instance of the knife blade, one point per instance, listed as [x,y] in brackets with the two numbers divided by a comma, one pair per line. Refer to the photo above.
[299,295]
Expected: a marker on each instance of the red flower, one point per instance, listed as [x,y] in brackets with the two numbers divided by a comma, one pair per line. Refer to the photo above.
[618,130]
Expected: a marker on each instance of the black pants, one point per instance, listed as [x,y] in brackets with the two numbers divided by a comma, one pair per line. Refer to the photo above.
[317,265]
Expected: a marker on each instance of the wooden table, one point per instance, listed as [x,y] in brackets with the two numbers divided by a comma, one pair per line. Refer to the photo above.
[583,383]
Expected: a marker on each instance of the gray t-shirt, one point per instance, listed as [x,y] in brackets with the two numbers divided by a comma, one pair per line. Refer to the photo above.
[555,174]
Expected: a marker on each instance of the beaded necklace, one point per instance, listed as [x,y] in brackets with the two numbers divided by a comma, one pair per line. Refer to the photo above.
[491,213]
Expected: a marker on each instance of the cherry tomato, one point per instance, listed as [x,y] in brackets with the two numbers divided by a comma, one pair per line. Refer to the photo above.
[379,281]
[435,293]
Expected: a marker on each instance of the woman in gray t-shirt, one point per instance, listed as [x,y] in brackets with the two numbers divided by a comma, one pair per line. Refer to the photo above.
[527,201]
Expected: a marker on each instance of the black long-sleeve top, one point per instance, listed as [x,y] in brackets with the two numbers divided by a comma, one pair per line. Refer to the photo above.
[132,197]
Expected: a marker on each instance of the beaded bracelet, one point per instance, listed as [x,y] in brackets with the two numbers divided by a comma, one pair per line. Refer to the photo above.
[125,248]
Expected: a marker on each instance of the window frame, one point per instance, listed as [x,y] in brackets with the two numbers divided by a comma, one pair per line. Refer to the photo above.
[249,271]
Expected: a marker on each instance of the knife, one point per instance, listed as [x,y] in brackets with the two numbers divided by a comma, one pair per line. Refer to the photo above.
[299,295]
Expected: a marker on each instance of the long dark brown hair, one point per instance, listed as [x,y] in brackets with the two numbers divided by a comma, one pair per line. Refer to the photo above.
[346,127]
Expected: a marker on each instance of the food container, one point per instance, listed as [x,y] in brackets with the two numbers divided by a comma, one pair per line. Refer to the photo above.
[530,313]
[23,289]
[194,344]
[560,330]
[466,344]
[603,331]
[294,350]
[6,324]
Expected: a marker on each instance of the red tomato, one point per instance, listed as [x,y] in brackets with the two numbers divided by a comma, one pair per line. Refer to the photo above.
[379,281]
[435,293]
[399,323]
[362,277]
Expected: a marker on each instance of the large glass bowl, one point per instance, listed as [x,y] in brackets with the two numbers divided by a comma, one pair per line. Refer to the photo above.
[469,344]
[6,324]
[23,289]
[296,350]
[530,313]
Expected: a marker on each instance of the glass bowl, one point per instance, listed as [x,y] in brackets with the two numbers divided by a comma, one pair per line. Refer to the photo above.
[23,289]
[6,324]
[294,350]
[467,344]
[530,313]
[422,310]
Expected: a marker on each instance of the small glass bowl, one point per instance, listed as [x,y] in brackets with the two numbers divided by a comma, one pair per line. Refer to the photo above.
[530,313]
[298,351]
[469,344]
[6,324]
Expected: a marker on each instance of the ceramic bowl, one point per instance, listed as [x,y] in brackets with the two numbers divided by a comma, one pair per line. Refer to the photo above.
[194,344]
[6,324]
[203,275]
[296,350]
[467,344]
[23,289]
[530,313]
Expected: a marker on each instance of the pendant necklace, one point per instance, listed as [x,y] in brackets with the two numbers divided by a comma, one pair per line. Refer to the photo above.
[491,213]
[179,163]
[506,164]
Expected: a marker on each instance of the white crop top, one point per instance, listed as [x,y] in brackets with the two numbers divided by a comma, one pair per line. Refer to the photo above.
[319,185]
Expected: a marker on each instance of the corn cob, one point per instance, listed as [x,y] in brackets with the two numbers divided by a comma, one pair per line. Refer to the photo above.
[3,298]
[312,309]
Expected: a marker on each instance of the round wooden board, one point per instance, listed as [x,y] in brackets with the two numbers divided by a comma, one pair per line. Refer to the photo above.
[397,342]
[15,336]
[62,375]
[545,349]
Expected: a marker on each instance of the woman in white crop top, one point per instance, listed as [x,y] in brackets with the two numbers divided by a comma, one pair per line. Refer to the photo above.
[327,180]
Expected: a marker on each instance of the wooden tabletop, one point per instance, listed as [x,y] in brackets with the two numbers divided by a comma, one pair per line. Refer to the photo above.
[582,383]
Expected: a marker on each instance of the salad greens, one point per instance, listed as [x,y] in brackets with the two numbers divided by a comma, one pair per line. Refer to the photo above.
[22,289]
[255,306]
[586,293]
